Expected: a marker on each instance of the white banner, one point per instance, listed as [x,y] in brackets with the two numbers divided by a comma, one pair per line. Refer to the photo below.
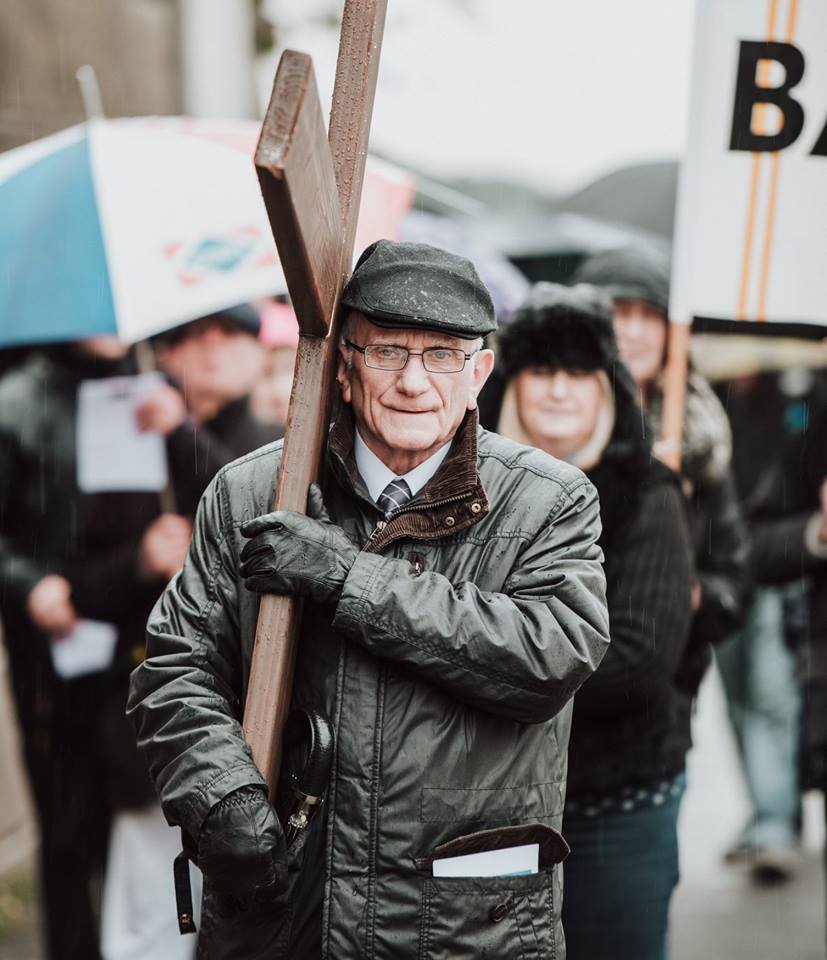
[751,230]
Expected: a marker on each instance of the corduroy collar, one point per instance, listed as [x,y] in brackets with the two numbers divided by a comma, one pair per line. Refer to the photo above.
[452,500]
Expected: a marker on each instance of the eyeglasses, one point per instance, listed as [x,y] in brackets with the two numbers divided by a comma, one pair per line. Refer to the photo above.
[389,356]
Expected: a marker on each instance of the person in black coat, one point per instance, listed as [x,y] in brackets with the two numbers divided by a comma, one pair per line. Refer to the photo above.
[64,555]
[561,386]
[637,280]
[788,512]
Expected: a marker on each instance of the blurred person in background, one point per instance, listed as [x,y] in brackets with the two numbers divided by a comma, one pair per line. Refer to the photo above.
[561,387]
[637,280]
[280,336]
[54,569]
[787,510]
[66,555]
[213,364]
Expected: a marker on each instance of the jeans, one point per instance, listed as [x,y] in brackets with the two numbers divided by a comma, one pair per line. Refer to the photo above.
[764,699]
[620,874]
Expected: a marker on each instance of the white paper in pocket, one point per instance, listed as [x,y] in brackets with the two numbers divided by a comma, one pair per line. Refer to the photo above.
[88,648]
[508,862]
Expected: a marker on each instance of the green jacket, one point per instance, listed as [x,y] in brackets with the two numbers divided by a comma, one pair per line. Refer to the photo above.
[448,666]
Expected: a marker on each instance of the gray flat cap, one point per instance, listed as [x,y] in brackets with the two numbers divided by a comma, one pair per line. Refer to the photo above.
[416,285]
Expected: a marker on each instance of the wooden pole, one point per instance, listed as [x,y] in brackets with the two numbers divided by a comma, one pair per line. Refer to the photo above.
[669,446]
[305,178]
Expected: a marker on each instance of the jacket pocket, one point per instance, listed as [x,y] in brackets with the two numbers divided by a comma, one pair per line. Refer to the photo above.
[496,917]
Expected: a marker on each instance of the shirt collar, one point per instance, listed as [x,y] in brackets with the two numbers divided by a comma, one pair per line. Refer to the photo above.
[377,476]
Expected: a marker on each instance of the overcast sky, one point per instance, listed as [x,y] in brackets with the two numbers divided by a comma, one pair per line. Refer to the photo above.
[548,92]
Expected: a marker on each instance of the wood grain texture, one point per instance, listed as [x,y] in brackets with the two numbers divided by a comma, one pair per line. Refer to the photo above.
[297,181]
[290,197]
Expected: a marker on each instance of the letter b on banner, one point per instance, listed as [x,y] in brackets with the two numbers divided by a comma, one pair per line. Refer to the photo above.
[749,94]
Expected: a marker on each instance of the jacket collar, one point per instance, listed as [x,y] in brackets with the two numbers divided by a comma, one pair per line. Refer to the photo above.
[452,500]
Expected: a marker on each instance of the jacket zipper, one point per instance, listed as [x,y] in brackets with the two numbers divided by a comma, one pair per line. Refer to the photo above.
[380,526]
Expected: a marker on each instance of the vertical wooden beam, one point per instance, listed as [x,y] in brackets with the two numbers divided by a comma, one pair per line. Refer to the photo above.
[670,444]
[271,676]
[295,171]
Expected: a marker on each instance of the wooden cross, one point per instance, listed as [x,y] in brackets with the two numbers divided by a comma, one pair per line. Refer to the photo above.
[312,184]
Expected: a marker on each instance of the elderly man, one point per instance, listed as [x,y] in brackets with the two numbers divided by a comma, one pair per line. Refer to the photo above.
[454,603]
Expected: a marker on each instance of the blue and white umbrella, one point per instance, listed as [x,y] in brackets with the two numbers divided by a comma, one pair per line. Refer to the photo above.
[130,227]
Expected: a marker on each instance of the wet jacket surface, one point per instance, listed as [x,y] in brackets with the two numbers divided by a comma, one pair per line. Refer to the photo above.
[448,665]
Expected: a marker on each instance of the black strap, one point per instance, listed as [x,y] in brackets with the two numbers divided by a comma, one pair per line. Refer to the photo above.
[183,894]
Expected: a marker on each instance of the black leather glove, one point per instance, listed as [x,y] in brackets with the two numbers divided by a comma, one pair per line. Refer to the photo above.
[241,851]
[307,556]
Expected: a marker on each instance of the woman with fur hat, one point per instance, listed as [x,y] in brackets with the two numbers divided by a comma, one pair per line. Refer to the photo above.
[562,387]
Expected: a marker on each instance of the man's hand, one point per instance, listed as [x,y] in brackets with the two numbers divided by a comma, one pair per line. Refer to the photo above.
[241,850]
[164,546]
[162,411]
[307,556]
[50,606]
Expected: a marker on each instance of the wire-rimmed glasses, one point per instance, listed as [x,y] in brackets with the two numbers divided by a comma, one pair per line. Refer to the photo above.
[391,356]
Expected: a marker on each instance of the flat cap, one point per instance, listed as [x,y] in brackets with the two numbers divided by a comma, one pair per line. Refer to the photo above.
[416,285]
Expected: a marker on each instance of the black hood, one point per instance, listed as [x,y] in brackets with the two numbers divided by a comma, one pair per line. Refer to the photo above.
[571,328]
[631,273]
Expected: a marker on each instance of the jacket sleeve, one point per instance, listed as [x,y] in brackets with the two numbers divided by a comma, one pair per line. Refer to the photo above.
[722,562]
[185,699]
[780,550]
[520,653]
[649,585]
[18,572]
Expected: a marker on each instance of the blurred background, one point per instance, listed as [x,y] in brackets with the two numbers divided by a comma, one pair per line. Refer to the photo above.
[527,136]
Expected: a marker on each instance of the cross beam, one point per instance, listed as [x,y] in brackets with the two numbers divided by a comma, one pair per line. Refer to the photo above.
[312,185]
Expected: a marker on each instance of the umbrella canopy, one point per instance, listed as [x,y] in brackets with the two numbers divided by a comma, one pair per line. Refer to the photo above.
[641,196]
[134,226]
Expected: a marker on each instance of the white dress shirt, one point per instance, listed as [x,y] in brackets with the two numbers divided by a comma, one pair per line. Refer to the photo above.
[377,476]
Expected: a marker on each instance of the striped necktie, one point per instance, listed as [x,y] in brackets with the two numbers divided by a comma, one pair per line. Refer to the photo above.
[395,495]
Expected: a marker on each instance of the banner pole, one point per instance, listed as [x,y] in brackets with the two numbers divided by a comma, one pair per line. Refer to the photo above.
[668,447]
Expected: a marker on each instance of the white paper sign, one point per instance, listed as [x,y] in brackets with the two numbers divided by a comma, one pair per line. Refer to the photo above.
[750,240]
[508,862]
[112,454]
[89,648]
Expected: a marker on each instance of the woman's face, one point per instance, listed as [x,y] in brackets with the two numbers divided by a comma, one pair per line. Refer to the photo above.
[640,329]
[558,408]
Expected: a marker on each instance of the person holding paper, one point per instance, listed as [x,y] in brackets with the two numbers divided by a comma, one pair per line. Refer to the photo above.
[453,603]
[80,570]
[43,551]
[562,387]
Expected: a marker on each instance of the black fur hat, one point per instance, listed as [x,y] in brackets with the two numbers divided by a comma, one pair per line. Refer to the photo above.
[559,327]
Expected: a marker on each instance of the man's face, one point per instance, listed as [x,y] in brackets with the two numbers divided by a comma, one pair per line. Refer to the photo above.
[215,360]
[640,329]
[406,415]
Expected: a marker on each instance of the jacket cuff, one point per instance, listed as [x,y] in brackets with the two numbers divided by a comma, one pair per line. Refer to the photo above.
[814,544]
[205,796]
[354,604]
[20,576]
